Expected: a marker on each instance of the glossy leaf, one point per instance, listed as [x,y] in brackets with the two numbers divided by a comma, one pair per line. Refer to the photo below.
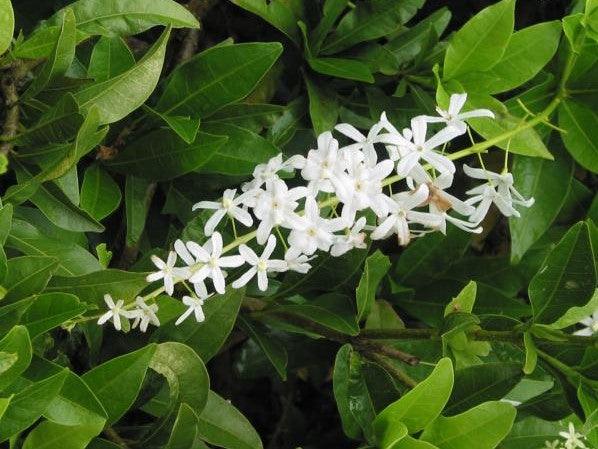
[15,343]
[222,425]
[323,107]
[185,372]
[138,194]
[100,195]
[114,18]
[481,42]
[50,310]
[27,275]
[422,404]
[184,429]
[567,277]
[110,57]
[483,427]
[479,383]
[117,97]
[273,350]
[49,435]
[342,68]
[117,382]
[217,77]
[376,267]
[276,12]
[581,124]
[232,158]
[549,183]
[162,155]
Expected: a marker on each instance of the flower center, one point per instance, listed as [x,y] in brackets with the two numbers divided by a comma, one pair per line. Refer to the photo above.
[312,232]
[213,262]
[226,203]
[594,326]
[262,265]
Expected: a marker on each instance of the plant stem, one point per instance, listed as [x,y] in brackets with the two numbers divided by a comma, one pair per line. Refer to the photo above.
[394,371]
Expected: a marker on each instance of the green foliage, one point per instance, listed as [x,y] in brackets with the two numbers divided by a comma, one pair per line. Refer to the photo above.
[116,117]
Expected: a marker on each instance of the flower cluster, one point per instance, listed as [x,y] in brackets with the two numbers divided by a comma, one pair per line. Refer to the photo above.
[572,440]
[341,186]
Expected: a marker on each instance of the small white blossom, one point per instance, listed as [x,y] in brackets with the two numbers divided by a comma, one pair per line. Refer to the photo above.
[167,271]
[453,117]
[354,238]
[402,215]
[317,232]
[362,143]
[116,311]
[573,438]
[259,265]
[144,314]
[552,445]
[361,187]
[228,206]
[194,305]
[213,262]
[276,207]
[193,265]
[499,190]
[322,164]
[591,325]
[264,173]
[397,150]
[295,261]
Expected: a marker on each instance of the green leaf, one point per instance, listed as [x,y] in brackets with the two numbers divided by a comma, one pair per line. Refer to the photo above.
[224,426]
[376,267]
[581,138]
[100,195]
[184,429]
[185,127]
[576,314]
[127,17]
[252,116]
[28,404]
[567,277]
[109,58]
[481,42]
[464,301]
[117,382]
[277,13]
[368,21]
[138,194]
[531,432]
[411,443]
[207,337]
[185,372]
[479,383]
[61,57]
[232,158]
[73,259]
[27,275]
[117,97]
[50,310]
[549,183]
[49,435]
[527,52]
[531,353]
[342,68]
[217,77]
[482,427]
[7,25]
[323,106]
[162,155]
[16,343]
[273,350]
[331,11]
[92,287]
[422,404]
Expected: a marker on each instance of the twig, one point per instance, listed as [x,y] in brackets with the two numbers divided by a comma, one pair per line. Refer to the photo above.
[8,85]
[371,346]
[115,437]
[395,372]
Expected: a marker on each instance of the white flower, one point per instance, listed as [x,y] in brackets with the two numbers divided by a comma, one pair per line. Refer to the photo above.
[552,445]
[323,164]
[116,311]
[354,238]
[361,187]
[264,173]
[453,117]
[572,438]
[295,261]
[591,325]
[422,149]
[363,143]
[193,265]
[276,207]
[167,271]
[396,151]
[259,265]
[144,314]
[499,190]
[228,206]
[402,215]
[213,262]
[194,306]
[318,231]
